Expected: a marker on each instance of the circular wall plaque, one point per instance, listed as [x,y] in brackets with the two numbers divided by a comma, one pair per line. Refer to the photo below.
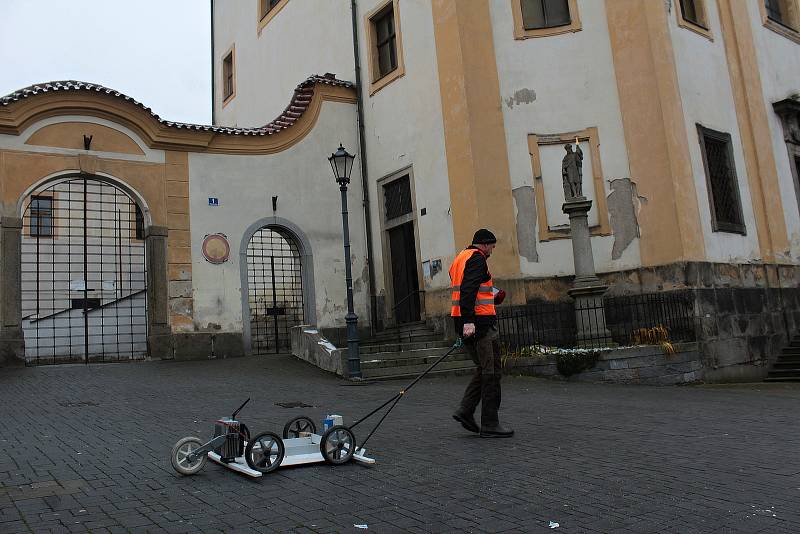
[216,248]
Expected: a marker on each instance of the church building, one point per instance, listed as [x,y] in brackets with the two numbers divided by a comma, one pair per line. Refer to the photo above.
[124,235]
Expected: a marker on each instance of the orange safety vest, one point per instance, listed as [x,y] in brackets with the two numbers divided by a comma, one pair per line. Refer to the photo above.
[484,301]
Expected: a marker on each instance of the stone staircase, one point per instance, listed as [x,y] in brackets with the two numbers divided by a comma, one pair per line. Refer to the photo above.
[787,367]
[407,350]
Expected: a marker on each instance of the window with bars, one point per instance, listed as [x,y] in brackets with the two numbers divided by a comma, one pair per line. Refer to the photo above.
[227,76]
[383,27]
[693,11]
[537,14]
[41,216]
[266,6]
[397,198]
[723,186]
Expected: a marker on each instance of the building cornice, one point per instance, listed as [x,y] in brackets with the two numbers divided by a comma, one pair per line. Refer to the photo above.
[22,108]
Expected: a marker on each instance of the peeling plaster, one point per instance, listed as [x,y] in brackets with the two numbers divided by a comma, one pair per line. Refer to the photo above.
[522,96]
[624,205]
[526,222]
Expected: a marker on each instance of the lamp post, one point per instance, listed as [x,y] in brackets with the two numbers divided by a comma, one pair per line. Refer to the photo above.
[342,164]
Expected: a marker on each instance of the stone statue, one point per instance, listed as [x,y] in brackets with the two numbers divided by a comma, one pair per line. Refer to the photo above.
[572,172]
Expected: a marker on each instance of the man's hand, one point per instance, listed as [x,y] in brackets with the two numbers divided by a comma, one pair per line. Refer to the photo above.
[469,329]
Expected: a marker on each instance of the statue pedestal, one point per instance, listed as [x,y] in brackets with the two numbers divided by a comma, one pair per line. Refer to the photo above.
[587,289]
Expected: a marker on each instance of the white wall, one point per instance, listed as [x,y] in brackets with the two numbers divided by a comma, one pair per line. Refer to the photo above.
[305,37]
[308,196]
[404,128]
[573,77]
[707,98]
[779,63]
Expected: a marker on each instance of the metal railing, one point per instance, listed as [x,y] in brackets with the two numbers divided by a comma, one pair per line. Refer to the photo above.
[629,320]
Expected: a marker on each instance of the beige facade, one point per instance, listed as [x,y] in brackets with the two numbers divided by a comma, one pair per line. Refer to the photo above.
[478,107]
[111,206]
[458,111]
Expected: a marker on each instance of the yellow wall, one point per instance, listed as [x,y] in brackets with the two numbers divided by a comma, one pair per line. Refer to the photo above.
[477,157]
[655,136]
[751,115]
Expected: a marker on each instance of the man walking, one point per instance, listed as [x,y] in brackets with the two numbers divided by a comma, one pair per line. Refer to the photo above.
[473,311]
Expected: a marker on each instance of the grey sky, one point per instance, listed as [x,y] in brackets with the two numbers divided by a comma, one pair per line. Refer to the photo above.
[156,51]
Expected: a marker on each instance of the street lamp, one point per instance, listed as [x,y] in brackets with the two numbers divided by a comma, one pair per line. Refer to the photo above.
[342,165]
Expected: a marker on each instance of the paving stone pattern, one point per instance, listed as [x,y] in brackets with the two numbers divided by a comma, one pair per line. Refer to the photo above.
[86,448]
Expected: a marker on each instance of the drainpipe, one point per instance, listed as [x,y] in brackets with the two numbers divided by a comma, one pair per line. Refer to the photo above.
[213,115]
[362,146]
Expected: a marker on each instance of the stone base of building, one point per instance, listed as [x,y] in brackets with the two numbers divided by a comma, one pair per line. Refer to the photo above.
[745,313]
[12,349]
[207,345]
[650,364]
[196,346]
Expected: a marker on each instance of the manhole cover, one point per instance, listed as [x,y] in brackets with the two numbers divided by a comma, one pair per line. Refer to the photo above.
[295,404]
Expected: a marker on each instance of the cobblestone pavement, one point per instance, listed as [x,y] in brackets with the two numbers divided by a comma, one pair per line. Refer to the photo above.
[86,448]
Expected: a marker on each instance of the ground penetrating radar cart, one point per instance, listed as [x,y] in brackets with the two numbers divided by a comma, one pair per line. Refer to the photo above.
[233,447]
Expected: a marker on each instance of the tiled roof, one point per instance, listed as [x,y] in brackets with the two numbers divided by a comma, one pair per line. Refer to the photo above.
[299,103]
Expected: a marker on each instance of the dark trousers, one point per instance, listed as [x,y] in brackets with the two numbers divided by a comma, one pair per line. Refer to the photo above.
[484,388]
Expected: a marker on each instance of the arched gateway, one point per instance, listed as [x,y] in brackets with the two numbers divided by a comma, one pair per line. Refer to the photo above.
[84,279]
[274,289]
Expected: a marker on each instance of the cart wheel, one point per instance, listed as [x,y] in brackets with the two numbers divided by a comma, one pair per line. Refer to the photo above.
[265,452]
[297,425]
[180,452]
[338,445]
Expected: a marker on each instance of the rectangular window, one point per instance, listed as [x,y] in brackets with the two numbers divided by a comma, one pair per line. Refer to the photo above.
[692,11]
[227,76]
[537,14]
[385,41]
[41,216]
[397,198]
[774,10]
[267,5]
[723,186]
[784,12]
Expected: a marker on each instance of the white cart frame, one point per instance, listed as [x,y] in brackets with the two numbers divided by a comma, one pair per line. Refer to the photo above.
[298,451]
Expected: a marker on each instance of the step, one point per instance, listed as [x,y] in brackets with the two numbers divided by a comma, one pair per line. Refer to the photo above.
[411,371]
[405,338]
[780,373]
[412,357]
[422,329]
[407,326]
[786,364]
[792,351]
[782,379]
[372,348]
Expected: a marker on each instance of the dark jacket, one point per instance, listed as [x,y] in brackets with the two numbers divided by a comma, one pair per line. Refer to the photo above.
[476,272]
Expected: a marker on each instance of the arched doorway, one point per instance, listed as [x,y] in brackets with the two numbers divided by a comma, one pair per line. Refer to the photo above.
[274,289]
[84,279]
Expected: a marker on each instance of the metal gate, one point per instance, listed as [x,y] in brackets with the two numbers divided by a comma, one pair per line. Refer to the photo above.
[274,289]
[84,292]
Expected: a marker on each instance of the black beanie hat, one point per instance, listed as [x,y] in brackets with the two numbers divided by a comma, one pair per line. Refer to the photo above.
[483,237]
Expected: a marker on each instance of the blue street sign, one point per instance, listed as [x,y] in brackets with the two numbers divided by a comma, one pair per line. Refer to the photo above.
[212,201]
